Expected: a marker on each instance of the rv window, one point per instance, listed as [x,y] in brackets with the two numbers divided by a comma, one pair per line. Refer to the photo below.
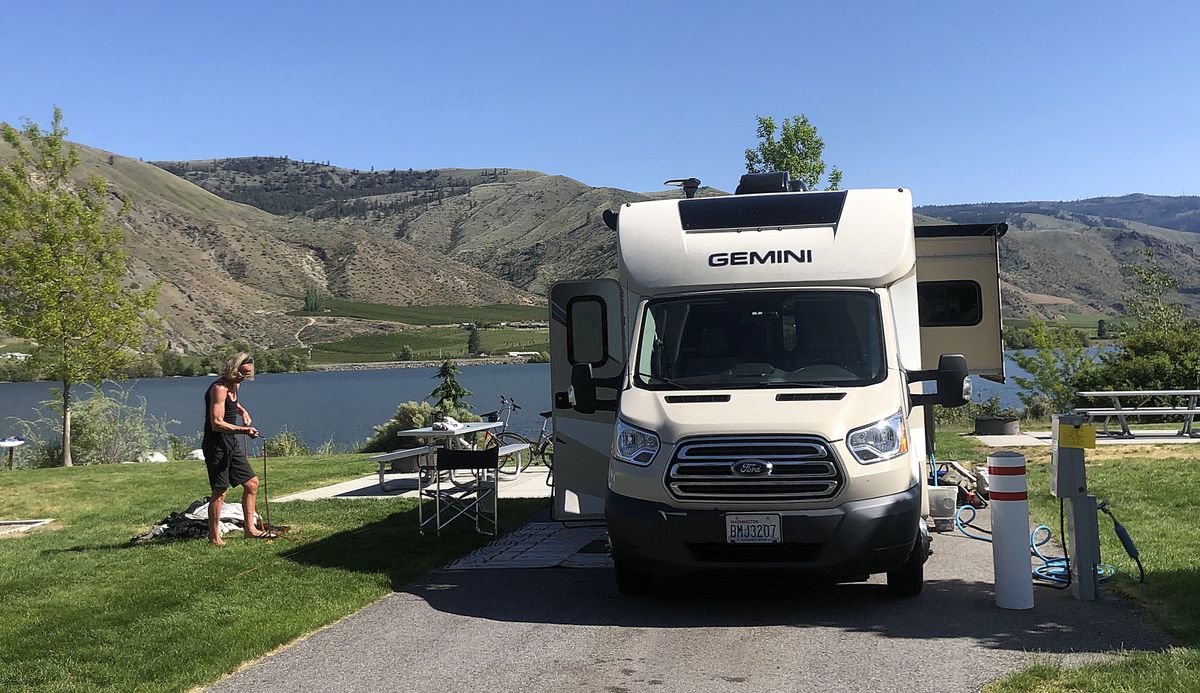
[950,303]
[588,325]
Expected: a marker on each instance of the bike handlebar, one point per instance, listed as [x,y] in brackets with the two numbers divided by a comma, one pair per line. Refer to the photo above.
[510,402]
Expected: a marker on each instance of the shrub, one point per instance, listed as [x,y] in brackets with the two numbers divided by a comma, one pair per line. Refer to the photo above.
[286,443]
[105,429]
[178,448]
[408,415]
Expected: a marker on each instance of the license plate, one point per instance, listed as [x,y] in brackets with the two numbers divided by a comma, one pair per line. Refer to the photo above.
[752,529]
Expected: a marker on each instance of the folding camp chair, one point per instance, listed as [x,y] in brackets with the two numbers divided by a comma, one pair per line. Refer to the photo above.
[473,499]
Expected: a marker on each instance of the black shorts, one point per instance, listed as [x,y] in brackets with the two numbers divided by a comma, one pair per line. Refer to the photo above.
[226,461]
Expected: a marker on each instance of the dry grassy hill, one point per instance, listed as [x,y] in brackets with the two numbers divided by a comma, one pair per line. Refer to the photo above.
[231,270]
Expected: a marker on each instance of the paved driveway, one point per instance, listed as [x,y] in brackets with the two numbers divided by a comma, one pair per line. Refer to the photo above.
[562,629]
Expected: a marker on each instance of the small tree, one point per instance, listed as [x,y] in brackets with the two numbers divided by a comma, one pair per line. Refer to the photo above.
[406,353]
[1147,302]
[1055,364]
[798,151]
[449,394]
[61,266]
[1101,329]
[314,302]
[473,341]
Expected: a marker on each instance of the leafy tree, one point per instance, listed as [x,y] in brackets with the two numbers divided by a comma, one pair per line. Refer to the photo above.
[449,394]
[473,341]
[1161,350]
[1147,301]
[61,266]
[1058,360]
[406,353]
[798,150]
[1101,329]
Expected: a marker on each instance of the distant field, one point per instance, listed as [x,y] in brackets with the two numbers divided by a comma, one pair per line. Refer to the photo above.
[432,315]
[1086,323]
[428,343]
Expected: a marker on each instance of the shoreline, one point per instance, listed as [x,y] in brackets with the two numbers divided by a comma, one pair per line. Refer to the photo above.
[433,363]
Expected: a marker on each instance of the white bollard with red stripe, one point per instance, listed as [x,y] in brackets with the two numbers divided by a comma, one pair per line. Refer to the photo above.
[1008,496]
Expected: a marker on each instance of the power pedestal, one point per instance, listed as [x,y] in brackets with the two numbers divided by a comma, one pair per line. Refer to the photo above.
[1068,481]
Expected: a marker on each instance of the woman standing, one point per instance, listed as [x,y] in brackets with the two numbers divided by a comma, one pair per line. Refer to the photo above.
[224,457]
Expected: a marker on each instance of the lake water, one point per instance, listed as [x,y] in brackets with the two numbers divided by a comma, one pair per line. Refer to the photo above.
[345,405]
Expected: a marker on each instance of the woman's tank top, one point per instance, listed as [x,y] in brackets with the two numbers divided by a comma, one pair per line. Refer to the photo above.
[231,411]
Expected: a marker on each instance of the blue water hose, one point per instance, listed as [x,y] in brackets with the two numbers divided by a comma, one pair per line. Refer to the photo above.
[1054,569]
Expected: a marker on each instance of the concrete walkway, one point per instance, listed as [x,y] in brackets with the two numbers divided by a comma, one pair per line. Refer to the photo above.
[530,484]
[560,629]
[1042,438]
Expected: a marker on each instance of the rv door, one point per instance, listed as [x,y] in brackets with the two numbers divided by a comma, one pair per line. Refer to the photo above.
[958,295]
[586,327]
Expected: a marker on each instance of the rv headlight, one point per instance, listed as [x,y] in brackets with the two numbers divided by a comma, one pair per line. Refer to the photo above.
[880,441]
[634,445]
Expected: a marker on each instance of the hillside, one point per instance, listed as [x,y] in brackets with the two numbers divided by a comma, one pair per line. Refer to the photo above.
[1066,256]
[532,229]
[231,271]
[238,241]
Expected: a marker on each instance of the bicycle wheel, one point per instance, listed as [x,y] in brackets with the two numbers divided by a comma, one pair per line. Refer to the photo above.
[517,462]
[547,453]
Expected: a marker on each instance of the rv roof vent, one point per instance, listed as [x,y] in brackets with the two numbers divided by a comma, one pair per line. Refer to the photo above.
[689,185]
[751,183]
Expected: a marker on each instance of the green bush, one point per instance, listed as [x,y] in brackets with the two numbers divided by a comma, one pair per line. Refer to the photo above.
[178,448]
[408,415]
[105,429]
[286,443]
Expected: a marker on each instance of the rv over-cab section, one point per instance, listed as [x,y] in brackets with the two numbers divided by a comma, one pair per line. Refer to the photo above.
[861,238]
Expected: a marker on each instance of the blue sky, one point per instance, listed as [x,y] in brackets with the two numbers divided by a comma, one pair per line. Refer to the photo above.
[960,101]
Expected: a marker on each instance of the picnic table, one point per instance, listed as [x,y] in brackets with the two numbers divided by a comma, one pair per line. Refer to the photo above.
[1126,403]
[414,459]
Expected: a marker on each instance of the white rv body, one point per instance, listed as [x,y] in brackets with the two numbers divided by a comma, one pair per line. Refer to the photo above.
[747,338]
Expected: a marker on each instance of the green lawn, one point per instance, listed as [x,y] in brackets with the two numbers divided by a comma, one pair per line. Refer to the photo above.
[1153,490]
[429,343]
[433,315]
[82,609]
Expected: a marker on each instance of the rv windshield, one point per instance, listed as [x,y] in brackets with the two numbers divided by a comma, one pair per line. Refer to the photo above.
[762,339]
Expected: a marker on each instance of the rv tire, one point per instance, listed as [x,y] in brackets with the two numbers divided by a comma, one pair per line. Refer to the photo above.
[907,580]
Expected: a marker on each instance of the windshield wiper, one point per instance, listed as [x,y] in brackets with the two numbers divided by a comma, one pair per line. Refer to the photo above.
[664,381]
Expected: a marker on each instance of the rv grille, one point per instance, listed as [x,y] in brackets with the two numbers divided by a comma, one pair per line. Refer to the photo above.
[800,468]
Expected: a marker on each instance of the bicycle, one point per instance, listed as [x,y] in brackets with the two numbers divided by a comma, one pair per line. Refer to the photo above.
[543,448]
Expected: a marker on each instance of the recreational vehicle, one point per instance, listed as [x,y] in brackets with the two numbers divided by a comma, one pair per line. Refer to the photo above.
[754,390]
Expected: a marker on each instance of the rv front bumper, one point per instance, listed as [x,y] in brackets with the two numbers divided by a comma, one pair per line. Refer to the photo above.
[855,539]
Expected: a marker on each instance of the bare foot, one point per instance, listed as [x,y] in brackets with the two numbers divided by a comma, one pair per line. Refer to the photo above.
[216,542]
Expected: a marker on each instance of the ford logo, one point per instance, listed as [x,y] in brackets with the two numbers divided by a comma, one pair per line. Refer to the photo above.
[751,467]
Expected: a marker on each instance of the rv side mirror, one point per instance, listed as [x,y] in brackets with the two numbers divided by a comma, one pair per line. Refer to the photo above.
[584,388]
[953,382]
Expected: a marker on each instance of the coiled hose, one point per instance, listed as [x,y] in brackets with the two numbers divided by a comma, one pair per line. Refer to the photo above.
[1055,570]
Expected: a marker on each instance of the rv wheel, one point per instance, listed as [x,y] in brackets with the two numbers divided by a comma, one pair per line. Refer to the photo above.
[630,582]
[909,578]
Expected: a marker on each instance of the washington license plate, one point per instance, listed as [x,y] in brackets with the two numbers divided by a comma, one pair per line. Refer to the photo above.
[752,529]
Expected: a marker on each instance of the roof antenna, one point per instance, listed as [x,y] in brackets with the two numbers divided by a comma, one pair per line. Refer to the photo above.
[689,185]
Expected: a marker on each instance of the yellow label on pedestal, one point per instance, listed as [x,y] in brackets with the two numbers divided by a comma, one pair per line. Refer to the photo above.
[1083,436]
